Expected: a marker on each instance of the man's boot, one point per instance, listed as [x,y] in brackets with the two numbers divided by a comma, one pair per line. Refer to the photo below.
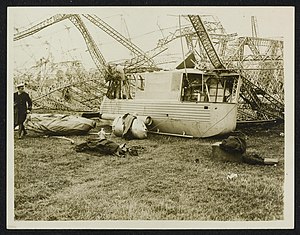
[20,134]
[21,131]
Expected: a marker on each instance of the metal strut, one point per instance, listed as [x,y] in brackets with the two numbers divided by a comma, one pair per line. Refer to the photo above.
[38,27]
[76,20]
[266,106]
[206,42]
[120,38]
[91,45]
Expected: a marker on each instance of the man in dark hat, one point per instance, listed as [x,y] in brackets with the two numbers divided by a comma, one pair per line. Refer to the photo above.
[22,106]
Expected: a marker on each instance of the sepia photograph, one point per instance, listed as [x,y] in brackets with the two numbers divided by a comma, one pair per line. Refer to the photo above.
[150,117]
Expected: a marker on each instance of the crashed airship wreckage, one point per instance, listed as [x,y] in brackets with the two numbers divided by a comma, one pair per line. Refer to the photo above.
[190,102]
[207,94]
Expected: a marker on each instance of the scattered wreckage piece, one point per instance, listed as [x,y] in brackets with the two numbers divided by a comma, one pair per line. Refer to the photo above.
[233,149]
[61,137]
[158,132]
[109,116]
[129,127]
[255,158]
[219,153]
[105,147]
[59,124]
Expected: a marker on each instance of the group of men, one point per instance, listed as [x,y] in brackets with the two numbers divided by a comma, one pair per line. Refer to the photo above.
[22,106]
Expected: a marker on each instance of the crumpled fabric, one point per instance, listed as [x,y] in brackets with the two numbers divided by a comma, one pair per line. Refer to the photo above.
[234,144]
[127,123]
[129,127]
[59,124]
[106,147]
[103,146]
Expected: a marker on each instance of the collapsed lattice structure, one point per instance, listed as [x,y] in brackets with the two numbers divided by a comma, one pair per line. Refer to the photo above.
[63,86]
[83,93]
[258,60]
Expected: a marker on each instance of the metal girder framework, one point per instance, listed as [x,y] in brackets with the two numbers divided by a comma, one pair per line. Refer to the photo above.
[263,65]
[206,42]
[91,45]
[273,50]
[263,104]
[84,89]
[189,31]
[76,20]
[212,24]
[258,60]
[216,32]
[38,27]
[185,31]
[254,26]
[190,34]
[54,97]
[121,39]
[255,100]
[253,48]
[137,64]
[80,97]
[143,61]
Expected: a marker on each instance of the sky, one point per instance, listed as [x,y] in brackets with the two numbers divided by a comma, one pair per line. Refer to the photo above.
[143,25]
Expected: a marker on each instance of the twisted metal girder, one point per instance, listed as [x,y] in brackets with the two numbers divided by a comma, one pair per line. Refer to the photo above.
[206,42]
[265,105]
[38,27]
[91,45]
[121,39]
[76,20]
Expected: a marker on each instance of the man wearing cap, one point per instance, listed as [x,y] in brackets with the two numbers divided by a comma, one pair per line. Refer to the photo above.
[22,106]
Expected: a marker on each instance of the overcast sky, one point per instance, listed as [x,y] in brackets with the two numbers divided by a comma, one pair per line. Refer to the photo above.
[143,26]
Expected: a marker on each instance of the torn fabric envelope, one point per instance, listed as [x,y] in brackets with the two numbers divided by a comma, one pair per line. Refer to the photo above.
[59,124]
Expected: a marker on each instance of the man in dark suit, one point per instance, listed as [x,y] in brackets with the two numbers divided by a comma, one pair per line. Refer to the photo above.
[22,106]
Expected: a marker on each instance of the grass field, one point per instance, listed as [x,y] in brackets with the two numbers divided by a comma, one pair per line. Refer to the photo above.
[172,178]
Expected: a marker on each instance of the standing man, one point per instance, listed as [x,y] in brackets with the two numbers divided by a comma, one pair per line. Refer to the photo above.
[22,106]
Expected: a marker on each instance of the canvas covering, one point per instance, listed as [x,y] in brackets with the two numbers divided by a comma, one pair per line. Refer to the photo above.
[59,124]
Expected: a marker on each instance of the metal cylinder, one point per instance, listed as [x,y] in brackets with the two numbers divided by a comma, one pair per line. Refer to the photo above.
[146,119]
[110,116]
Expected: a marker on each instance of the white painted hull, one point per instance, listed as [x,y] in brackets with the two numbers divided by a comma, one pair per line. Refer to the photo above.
[179,118]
